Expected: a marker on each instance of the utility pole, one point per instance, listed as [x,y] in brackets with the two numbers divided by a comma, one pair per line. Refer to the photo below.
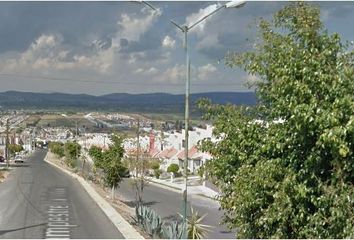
[77,147]
[84,157]
[7,143]
[186,129]
[137,146]
[139,168]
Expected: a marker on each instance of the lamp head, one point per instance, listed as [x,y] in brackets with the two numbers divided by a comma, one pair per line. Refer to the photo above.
[235,4]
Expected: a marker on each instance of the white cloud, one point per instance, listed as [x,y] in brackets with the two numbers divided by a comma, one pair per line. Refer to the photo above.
[174,74]
[168,42]
[177,73]
[194,17]
[134,25]
[139,71]
[147,72]
[205,72]
[48,53]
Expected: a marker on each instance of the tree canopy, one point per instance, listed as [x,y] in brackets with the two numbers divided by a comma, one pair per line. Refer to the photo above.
[286,166]
[15,148]
[110,161]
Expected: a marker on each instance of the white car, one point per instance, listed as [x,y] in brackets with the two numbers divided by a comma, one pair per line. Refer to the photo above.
[18,159]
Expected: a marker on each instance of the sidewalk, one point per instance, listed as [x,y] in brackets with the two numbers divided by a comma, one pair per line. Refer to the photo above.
[193,189]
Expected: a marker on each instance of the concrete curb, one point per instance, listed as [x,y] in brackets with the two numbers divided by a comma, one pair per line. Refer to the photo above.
[179,190]
[121,224]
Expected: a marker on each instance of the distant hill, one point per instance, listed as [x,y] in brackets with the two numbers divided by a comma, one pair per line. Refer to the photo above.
[152,102]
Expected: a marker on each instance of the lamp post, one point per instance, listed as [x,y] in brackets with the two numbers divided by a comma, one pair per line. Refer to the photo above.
[185,29]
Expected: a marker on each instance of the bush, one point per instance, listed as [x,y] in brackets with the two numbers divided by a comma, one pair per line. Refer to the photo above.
[201,171]
[14,148]
[155,165]
[173,168]
[72,150]
[157,173]
[57,148]
[71,162]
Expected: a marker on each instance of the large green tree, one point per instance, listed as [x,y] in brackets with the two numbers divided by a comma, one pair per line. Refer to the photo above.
[110,161]
[286,166]
[97,155]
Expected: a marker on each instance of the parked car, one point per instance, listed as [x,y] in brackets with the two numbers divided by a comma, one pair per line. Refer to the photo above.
[2,159]
[18,159]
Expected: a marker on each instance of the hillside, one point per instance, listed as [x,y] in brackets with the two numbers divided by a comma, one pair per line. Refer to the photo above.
[152,102]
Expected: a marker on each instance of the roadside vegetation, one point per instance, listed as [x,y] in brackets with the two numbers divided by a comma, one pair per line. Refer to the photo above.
[110,162]
[290,174]
[69,152]
[14,149]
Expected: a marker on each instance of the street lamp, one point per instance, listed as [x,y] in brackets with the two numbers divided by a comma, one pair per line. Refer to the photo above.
[185,29]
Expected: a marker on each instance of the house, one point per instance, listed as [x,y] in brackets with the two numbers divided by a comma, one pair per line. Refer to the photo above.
[196,158]
[166,157]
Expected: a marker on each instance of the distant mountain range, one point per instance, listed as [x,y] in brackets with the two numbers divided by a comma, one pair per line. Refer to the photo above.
[151,102]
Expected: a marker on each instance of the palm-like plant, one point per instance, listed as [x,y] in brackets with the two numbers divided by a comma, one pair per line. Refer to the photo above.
[197,230]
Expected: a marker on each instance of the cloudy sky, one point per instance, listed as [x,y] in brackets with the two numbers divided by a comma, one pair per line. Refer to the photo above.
[106,47]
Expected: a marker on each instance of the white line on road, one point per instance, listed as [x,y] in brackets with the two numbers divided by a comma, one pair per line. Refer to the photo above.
[121,224]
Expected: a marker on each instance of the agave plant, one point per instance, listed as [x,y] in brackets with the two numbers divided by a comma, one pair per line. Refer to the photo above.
[195,229]
[148,220]
[174,231]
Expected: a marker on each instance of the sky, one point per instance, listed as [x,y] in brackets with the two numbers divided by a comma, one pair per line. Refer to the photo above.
[109,47]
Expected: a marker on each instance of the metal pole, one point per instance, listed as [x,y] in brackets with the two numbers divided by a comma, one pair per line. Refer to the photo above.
[77,147]
[7,144]
[186,126]
[138,168]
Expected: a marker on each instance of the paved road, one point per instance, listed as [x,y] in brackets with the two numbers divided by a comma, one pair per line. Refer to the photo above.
[168,203]
[40,201]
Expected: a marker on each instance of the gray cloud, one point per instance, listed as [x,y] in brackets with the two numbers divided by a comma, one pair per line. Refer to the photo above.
[148,41]
[118,45]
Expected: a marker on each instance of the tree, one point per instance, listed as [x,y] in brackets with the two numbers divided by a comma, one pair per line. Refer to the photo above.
[72,152]
[138,162]
[110,161]
[14,148]
[155,166]
[57,148]
[97,155]
[289,174]
[173,169]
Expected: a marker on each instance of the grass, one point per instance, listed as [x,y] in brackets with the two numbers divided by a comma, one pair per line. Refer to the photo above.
[31,121]
[56,120]
[3,173]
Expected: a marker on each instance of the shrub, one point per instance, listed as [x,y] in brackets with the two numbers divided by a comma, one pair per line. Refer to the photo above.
[155,165]
[173,168]
[157,173]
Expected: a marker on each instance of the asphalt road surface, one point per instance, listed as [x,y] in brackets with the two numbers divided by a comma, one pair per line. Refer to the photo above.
[168,203]
[39,201]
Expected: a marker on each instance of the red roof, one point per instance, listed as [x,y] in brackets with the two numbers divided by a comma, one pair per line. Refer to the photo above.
[192,153]
[154,152]
[168,153]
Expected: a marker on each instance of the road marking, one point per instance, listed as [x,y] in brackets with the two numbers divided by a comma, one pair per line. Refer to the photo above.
[58,215]
[123,226]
